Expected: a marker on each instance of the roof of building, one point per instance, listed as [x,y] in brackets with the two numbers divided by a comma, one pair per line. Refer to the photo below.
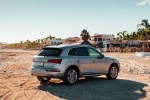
[102,34]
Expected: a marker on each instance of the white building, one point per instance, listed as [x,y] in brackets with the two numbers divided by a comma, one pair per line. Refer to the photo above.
[106,42]
[132,42]
[98,38]
[104,39]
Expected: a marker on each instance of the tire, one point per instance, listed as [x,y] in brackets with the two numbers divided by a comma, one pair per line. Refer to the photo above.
[113,72]
[43,79]
[71,76]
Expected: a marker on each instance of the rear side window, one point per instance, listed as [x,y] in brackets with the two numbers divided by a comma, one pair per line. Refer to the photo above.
[71,52]
[50,52]
[80,51]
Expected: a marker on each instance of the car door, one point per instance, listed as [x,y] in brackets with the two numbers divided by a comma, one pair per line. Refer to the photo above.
[98,63]
[83,60]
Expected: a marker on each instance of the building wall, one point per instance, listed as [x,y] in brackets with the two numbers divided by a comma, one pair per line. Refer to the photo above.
[71,40]
[97,38]
[53,42]
[135,42]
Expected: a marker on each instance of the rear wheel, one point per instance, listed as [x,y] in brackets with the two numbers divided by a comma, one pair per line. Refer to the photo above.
[71,76]
[113,72]
[43,78]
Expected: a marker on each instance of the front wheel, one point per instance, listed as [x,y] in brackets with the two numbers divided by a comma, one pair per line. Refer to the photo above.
[71,76]
[43,78]
[113,72]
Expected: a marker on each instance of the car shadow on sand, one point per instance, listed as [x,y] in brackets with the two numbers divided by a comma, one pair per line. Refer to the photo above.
[96,88]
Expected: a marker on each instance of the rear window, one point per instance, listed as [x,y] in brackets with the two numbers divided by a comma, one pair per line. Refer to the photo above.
[50,52]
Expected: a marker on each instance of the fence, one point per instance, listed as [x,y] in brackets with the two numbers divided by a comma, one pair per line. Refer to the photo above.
[128,49]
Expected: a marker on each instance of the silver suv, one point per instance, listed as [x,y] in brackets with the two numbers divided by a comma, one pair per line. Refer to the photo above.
[69,62]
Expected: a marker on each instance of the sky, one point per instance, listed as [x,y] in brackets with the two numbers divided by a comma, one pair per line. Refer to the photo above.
[36,19]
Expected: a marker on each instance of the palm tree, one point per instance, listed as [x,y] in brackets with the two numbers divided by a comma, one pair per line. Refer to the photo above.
[85,35]
[51,37]
[113,37]
[148,33]
[128,37]
[118,39]
[141,34]
[122,35]
[146,25]
[133,36]
[58,38]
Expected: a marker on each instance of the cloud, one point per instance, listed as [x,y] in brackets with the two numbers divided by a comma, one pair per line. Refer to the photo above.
[143,2]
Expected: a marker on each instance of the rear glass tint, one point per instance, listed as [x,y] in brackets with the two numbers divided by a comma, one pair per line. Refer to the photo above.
[50,52]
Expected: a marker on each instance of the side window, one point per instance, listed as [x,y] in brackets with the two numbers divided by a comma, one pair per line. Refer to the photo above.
[71,52]
[94,53]
[81,51]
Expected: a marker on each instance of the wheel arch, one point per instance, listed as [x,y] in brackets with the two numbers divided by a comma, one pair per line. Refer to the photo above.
[116,66]
[73,66]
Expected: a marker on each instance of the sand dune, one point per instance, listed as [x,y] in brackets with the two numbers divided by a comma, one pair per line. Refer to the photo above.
[16,83]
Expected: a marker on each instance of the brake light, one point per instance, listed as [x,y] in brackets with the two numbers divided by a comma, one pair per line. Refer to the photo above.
[33,60]
[57,61]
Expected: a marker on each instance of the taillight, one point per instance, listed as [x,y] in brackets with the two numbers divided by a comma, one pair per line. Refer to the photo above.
[33,60]
[57,61]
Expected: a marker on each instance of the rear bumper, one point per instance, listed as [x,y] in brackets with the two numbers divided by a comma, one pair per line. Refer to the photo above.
[46,72]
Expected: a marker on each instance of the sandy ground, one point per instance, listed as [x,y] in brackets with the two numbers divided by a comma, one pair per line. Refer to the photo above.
[16,83]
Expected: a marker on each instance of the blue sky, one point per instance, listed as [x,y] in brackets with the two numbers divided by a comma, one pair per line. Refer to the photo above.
[35,19]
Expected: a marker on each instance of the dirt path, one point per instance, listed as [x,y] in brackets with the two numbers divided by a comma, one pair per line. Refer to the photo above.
[16,83]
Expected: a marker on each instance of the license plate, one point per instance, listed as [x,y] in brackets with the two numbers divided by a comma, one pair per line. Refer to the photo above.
[41,64]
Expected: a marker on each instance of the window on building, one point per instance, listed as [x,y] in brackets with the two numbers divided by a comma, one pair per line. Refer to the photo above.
[99,39]
[95,39]
[107,45]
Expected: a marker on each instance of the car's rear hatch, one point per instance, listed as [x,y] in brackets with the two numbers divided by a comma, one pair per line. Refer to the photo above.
[47,58]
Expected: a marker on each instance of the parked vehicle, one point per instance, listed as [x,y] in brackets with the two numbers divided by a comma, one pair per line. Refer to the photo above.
[70,62]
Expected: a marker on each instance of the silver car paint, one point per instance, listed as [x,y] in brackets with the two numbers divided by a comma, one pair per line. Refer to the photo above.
[85,64]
